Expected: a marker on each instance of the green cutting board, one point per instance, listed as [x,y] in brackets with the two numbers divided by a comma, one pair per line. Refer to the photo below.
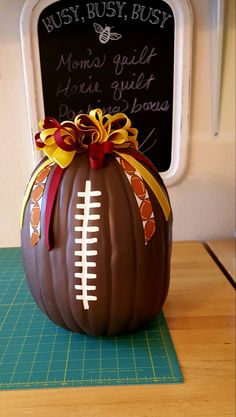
[35,353]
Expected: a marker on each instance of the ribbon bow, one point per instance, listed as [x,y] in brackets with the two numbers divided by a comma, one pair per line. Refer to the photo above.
[98,134]
[58,141]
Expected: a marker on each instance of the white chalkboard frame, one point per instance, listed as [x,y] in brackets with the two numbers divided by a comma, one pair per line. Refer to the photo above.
[182,75]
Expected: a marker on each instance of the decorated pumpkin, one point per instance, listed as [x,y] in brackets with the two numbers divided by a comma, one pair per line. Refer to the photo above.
[96,227]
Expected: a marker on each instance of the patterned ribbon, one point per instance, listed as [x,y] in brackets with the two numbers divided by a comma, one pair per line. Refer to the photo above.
[98,135]
[36,203]
[142,198]
[29,187]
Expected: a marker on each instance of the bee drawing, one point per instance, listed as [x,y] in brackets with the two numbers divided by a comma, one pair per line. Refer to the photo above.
[105,33]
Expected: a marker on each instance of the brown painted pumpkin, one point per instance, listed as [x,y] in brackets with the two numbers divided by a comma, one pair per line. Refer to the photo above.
[108,265]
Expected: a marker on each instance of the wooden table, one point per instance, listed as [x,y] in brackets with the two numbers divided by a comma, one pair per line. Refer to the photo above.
[224,253]
[200,315]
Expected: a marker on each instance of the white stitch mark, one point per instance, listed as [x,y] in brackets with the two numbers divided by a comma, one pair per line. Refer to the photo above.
[89,275]
[91,193]
[84,241]
[88,253]
[91,205]
[88,240]
[89,287]
[89,229]
[90,217]
[90,264]
[88,298]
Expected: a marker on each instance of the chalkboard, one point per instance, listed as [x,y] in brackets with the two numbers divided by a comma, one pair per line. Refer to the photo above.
[130,56]
[114,55]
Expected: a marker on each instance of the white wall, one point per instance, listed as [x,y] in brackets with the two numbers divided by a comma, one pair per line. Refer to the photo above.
[203,202]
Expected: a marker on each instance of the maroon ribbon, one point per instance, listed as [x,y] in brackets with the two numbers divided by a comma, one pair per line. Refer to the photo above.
[97,152]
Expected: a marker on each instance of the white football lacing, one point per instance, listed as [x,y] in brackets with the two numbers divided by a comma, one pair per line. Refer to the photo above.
[84,242]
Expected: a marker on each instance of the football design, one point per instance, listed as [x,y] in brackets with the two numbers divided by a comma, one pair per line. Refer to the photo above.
[96,227]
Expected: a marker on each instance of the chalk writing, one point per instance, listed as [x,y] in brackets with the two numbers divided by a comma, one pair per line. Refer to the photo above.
[105,9]
[81,13]
[119,87]
[65,112]
[139,82]
[152,106]
[60,18]
[89,61]
[123,106]
[141,57]
[150,15]
[69,89]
